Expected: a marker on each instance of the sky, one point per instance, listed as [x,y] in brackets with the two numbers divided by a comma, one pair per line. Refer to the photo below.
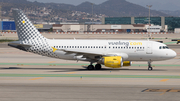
[157,4]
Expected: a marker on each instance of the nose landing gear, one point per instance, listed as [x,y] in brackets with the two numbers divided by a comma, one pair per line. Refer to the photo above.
[149,66]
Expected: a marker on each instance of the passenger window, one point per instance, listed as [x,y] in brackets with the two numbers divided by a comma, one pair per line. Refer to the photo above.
[80,46]
[129,47]
[64,46]
[132,47]
[77,46]
[164,47]
[94,47]
[69,46]
[137,47]
[109,47]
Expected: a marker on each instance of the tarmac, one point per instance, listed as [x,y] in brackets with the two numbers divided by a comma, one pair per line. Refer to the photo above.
[29,77]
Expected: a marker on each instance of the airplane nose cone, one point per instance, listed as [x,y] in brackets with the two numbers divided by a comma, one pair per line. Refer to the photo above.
[173,54]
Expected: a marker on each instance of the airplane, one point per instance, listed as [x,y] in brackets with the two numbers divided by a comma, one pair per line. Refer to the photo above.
[111,53]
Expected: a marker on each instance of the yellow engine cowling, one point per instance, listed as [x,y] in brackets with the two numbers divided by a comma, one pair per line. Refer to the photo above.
[113,61]
[127,63]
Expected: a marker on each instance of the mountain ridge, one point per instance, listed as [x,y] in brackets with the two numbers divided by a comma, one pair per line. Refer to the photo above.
[60,12]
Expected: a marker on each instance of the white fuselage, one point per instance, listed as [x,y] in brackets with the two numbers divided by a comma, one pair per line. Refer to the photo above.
[130,50]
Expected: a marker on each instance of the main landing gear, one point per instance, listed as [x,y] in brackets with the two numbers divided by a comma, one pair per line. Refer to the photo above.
[149,66]
[91,67]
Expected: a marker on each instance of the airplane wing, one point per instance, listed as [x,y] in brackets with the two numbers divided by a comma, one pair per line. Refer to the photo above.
[89,55]
[85,54]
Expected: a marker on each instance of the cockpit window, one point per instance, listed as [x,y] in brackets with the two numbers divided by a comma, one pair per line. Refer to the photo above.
[163,47]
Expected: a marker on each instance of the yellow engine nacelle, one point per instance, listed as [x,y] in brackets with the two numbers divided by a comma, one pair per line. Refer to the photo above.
[127,63]
[112,61]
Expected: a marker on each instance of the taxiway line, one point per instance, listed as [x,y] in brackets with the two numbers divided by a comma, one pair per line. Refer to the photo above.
[37,78]
[92,76]
[164,80]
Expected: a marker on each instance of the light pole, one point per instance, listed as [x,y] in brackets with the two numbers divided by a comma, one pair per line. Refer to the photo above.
[149,13]
[92,16]
[149,17]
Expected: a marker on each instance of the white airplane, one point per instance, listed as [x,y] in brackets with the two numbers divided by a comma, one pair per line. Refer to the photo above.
[111,53]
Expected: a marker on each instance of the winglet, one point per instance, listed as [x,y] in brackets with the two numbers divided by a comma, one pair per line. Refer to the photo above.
[54,49]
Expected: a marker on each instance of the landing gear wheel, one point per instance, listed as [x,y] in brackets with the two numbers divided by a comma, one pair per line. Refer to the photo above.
[90,67]
[98,66]
[150,68]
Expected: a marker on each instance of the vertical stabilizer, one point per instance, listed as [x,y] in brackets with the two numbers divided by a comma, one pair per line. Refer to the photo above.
[25,29]
[29,35]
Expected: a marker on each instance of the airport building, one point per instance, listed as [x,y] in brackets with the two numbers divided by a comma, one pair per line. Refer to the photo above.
[7,26]
[124,28]
[43,27]
[171,22]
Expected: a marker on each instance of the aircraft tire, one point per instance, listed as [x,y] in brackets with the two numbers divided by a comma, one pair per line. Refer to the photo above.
[90,67]
[150,68]
[98,66]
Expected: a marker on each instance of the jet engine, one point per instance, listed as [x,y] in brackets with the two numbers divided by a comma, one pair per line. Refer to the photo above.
[112,61]
[127,63]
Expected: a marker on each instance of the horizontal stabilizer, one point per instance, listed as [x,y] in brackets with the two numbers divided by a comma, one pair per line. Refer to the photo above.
[18,43]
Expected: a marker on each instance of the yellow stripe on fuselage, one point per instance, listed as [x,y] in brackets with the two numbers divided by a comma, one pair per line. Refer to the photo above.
[54,49]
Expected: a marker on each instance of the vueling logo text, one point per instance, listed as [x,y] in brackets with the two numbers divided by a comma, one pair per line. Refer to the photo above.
[125,43]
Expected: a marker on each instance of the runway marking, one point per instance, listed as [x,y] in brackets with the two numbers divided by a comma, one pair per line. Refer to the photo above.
[162,90]
[52,62]
[92,76]
[164,80]
[167,91]
[71,72]
[37,78]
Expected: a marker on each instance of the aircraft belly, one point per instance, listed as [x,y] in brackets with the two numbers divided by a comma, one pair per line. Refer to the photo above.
[141,57]
[63,55]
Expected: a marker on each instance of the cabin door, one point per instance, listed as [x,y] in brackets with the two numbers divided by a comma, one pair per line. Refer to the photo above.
[149,48]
